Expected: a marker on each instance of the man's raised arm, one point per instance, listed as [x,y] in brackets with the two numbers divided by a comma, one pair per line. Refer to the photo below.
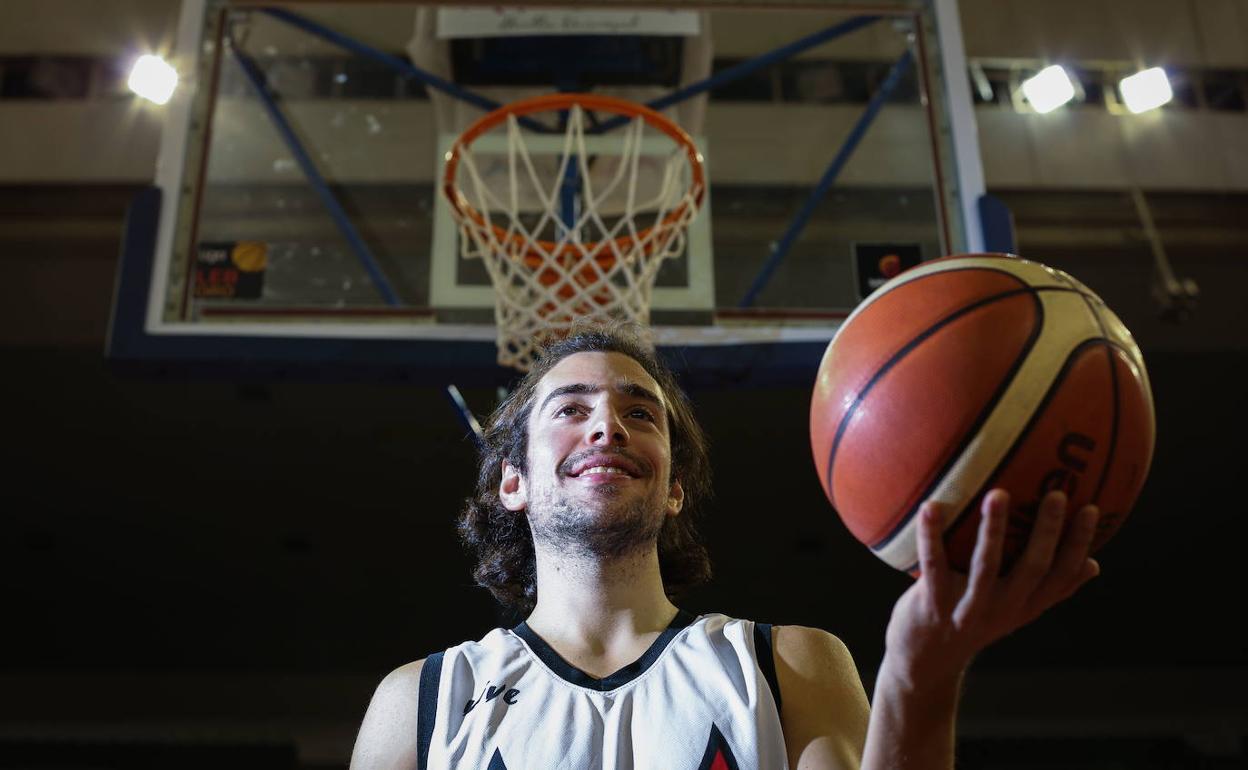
[943,621]
[937,627]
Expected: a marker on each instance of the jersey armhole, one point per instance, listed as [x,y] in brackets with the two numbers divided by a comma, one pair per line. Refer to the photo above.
[430,683]
[767,658]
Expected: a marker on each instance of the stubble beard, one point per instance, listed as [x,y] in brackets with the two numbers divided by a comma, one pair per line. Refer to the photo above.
[615,531]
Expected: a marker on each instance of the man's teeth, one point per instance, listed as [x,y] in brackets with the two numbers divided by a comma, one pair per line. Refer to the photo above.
[603,469]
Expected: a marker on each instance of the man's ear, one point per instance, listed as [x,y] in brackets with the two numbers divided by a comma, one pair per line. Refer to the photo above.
[513,492]
[675,499]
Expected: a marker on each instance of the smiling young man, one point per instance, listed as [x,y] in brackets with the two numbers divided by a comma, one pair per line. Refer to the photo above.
[584,519]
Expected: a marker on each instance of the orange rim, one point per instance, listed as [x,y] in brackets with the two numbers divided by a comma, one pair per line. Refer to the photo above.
[552,102]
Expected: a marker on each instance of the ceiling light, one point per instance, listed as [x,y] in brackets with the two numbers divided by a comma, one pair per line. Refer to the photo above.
[1049,89]
[1146,90]
[153,79]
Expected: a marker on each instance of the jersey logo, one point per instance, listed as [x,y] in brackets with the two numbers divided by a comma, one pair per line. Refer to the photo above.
[490,693]
[718,756]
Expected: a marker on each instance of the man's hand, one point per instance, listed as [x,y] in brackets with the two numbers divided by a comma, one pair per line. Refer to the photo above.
[942,621]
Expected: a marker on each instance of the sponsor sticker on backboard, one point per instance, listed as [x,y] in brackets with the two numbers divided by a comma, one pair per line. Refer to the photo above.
[876,263]
[231,270]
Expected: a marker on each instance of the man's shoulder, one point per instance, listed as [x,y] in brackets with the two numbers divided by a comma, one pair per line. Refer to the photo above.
[791,639]
[497,641]
[405,675]
[802,648]
[800,644]
[814,666]
[388,736]
[804,638]
[400,689]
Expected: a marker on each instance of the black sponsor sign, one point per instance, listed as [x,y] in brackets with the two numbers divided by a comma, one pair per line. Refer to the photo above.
[230,270]
[876,263]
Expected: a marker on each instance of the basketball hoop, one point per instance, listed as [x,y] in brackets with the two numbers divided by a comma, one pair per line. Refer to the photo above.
[581,234]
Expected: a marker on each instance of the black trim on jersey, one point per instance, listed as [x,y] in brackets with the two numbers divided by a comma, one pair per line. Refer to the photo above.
[717,747]
[766,659]
[570,673]
[427,711]
[496,761]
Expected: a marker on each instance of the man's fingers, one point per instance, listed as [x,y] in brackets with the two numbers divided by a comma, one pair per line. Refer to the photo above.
[1073,553]
[986,560]
[1037,558]
[1071,567]
[1091,568]
[933,564]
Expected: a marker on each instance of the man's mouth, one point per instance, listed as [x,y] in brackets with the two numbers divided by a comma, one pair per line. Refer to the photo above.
[603,470]
[606,465]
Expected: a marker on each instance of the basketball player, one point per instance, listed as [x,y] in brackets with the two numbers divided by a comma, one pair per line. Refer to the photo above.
[583,519]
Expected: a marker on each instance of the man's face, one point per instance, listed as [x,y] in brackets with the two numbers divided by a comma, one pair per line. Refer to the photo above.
[599,457]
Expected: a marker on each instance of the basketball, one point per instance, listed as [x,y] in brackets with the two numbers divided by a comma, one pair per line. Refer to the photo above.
[973,372]
[250,256]
[890,265]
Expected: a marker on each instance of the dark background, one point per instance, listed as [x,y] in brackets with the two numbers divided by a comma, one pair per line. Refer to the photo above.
[215,571]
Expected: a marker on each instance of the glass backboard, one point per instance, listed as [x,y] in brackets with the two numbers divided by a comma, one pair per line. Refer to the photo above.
[298,193]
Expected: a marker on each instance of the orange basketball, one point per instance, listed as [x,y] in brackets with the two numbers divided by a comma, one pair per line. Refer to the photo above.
[973,372]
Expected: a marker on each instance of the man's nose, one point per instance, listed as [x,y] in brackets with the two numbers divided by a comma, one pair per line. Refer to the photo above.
[607,428]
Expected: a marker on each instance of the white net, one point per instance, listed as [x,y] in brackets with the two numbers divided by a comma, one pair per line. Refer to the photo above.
[574,230]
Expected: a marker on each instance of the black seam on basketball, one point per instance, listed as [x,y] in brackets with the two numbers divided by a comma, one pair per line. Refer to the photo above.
[1114,396]
[1113,432]
[980,419]
[905,349]
[1036,414]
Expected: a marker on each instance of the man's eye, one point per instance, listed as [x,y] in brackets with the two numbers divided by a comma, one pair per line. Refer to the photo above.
[643,413]
[567,409]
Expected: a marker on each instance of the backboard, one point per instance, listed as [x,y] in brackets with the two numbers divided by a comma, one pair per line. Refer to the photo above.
[297,220]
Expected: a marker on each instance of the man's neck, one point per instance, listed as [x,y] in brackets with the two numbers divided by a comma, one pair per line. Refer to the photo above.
[600,616]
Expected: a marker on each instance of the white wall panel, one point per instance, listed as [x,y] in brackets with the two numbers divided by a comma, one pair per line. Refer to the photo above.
[86,27]
[1187,32]
[1230,133]
[387,141]
[1156,32]
[1175,32]
[1223,29]
[76,141]
[1168,150]
[1006,149]
[1175,151]
[1076,147]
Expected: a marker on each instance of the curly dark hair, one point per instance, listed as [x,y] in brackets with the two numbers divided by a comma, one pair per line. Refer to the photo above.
[500,540]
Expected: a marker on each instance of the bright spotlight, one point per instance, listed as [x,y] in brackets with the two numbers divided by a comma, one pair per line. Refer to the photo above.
[153,79]
[1146,90]
[1048,89]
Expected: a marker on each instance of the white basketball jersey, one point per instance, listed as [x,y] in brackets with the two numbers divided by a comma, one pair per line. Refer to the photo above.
[703,697]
